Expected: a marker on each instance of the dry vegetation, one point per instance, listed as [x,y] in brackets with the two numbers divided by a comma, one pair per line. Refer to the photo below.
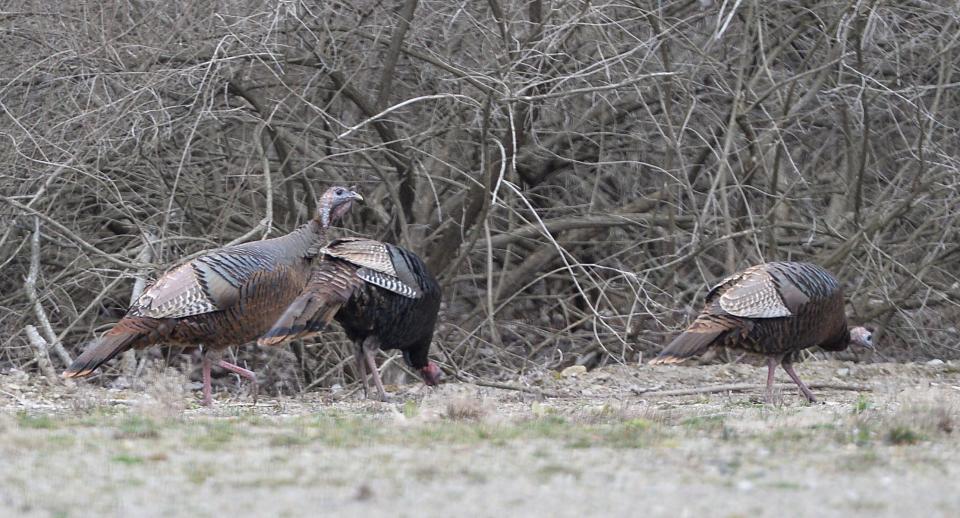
[575,172]
[460,449]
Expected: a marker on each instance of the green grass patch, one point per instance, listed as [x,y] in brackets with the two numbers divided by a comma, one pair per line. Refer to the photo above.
[198,473]
[290,440]
[785,484]
[410,409]
[38,422]
[707,423]
[347,432]
[902,434]
[788,434]
[137,427]
[609,428]
[215,434]
[635,433]
[128,459]
[61,440]
[861,434]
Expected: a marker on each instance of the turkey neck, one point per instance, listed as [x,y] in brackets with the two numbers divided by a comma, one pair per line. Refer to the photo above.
[417,356]
[309,237]
[839,342]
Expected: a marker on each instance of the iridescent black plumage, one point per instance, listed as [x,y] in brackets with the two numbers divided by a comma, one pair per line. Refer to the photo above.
[396,321]
[381,294]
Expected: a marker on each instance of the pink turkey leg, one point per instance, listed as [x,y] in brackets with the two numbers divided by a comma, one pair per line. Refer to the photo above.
[372,365]
[207,389]
[787,366]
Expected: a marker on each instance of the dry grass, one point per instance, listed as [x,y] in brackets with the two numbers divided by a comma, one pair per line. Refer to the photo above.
[166,393]
[466,409]
[459,447]
[927,416]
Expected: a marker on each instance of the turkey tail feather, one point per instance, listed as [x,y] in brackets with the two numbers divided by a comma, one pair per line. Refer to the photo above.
[123,336]
[689,343]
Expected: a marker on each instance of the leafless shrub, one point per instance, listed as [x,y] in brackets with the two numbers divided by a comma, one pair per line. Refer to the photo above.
[575,172]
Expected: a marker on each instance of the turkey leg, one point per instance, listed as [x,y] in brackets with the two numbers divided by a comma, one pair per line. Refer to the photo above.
[365,357]
[250,375]
[788,366]
[367,363]
[372,365]
[207,397]
[362,369]
[771,368]
[208,385]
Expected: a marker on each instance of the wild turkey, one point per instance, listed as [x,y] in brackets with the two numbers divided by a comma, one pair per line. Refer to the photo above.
[383,297]
[774,309]
[228,296]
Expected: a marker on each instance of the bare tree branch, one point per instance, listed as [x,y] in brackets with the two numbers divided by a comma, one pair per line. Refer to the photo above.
[393,54]
[30,286]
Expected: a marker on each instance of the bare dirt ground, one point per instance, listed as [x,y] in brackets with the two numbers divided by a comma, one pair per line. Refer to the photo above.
[608,447]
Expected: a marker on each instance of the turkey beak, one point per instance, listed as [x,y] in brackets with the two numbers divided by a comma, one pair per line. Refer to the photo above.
[431,375]
[355,195]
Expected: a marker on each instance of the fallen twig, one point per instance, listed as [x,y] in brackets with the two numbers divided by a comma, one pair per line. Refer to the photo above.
[742,387]
[510,386]
[655,390]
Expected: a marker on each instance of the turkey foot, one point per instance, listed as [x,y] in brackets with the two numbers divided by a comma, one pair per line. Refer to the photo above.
[372,365]
[358,356]
[244,373]
[788,366]
[208,386]
[367,364]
